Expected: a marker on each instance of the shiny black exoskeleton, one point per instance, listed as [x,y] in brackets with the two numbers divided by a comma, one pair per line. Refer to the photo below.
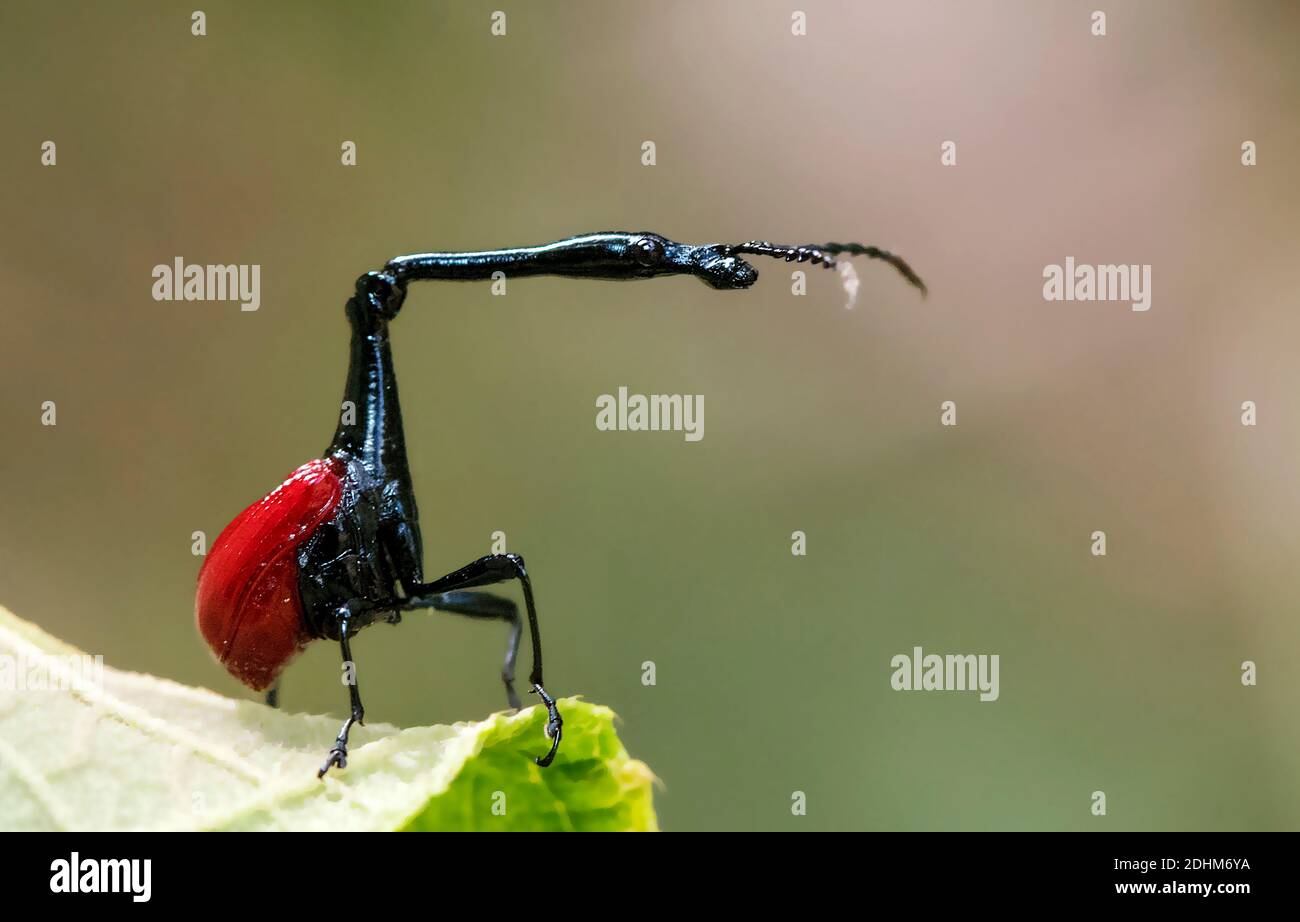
[366,563]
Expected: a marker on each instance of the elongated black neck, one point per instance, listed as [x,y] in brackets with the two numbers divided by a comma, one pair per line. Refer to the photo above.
[599,255]
[370,418]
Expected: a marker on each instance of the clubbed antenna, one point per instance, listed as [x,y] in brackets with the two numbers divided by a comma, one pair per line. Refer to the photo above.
[789,254]
[824,254]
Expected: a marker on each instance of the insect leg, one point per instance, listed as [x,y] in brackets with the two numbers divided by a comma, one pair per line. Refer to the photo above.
[487,606]
[488,571]
[339,754]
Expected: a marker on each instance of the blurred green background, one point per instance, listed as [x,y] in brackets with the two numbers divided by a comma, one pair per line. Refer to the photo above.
[1119,674]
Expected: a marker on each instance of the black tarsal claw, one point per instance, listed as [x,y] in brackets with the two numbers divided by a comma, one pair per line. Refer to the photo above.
[554,725]
[337,757]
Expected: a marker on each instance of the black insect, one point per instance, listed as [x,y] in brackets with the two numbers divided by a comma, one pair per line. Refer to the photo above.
[336,547]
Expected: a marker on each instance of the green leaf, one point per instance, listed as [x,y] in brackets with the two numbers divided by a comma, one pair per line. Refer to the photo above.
[130,751]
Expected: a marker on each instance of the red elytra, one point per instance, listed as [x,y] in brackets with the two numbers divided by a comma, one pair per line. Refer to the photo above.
[248,608]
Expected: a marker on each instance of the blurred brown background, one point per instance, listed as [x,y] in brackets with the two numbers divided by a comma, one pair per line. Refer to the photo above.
[1118,674]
